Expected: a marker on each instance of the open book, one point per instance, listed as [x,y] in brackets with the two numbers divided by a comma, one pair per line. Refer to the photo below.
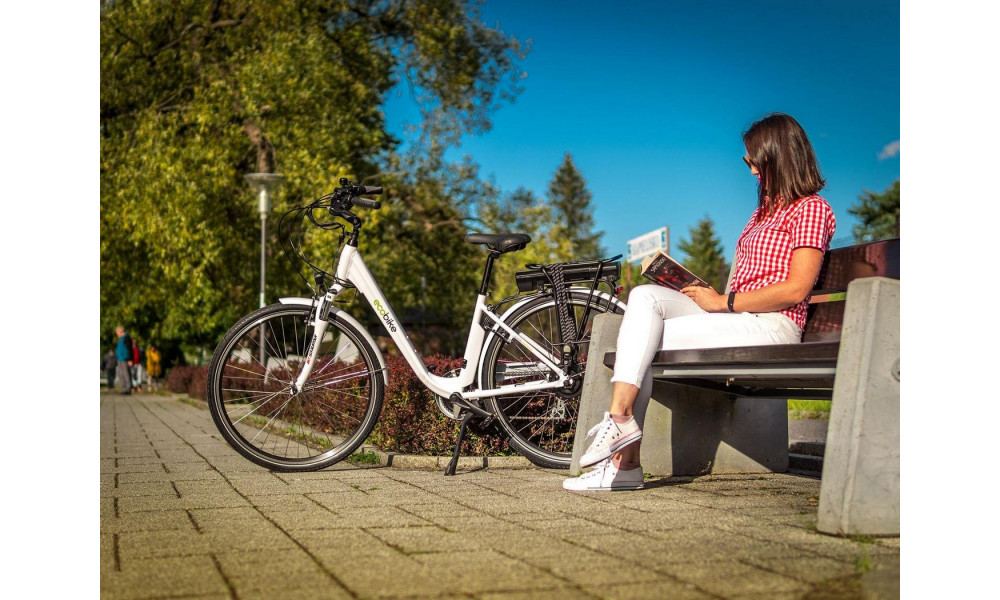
[662,269]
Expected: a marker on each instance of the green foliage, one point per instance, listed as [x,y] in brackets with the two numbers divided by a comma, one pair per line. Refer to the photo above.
[809,409]
[363,458]
[196,94]
[705,256]
[570,202]
[863,561]
[415,247]
[631,278]
[878,215]
[522,212]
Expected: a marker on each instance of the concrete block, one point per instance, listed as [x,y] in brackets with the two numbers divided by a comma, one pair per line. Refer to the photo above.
[595,396]
[690,431]
[686,431]
[859,493]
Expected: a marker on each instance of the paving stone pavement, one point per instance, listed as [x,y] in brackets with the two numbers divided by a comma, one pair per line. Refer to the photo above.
[184,516]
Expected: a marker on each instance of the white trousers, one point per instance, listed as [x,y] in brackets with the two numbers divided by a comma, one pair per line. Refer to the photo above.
[659,318]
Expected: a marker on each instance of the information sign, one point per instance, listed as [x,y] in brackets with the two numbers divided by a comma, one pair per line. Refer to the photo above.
[645,245]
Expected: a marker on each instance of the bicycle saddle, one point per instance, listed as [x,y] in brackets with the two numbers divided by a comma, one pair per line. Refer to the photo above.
[500,242]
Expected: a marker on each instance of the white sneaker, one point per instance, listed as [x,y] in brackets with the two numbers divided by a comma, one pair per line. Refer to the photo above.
[605,477]
[610,438]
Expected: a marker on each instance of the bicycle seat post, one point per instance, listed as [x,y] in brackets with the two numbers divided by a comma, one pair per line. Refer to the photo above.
[488,272]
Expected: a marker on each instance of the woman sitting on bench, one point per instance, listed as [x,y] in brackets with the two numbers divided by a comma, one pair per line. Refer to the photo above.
[778,259]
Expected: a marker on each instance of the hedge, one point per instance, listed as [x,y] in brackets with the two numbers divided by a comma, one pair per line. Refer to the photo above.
[410,422]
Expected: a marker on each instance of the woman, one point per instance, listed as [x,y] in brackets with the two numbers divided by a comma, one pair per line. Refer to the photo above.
[778,259]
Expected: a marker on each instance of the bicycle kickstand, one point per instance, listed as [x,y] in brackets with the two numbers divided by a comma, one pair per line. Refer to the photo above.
[458,445]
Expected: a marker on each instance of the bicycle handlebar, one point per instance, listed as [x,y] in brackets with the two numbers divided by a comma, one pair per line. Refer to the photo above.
[365,202]
[358,190]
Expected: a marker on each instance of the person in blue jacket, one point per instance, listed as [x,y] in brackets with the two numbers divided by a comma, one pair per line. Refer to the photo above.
[123,352]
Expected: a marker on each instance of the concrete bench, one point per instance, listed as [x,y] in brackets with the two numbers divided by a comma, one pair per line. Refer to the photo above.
[724,410]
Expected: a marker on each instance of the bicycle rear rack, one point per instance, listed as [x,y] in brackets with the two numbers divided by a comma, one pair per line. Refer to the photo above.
[558,276]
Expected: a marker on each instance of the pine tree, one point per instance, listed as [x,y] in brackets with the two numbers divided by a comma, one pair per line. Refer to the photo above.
[705,256]
[878,213]
[570,202]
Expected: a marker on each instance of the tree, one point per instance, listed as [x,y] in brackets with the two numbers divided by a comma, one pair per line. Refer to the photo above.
[705,256]
[878,213]
[570,201]
[195,94]
[522,212]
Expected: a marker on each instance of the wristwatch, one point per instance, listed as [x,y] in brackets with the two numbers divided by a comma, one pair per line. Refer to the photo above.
[732,296]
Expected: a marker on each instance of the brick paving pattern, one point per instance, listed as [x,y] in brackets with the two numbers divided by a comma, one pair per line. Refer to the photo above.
[184,516]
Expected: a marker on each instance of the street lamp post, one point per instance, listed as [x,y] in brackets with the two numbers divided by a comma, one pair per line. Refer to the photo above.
[263,184]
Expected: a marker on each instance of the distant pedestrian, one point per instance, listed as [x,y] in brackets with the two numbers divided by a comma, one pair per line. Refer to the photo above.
[110,364]
[154,369]
[123,352]
[138,371]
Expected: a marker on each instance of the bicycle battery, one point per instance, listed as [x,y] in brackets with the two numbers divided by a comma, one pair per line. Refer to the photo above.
[573,272]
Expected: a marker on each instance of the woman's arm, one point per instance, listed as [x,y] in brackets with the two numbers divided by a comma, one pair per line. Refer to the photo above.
[802,273]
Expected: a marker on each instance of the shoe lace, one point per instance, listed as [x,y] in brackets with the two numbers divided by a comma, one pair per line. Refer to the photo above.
[598,470]
[593,430]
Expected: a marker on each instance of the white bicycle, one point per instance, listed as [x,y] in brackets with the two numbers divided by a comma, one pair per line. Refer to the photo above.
[299,385]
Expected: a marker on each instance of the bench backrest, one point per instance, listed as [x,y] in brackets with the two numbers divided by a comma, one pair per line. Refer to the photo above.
[840,267]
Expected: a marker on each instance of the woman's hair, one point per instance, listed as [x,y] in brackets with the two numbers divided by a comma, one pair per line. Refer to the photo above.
[777,145]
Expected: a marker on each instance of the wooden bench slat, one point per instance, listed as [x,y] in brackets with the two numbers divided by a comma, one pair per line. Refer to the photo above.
[772,355]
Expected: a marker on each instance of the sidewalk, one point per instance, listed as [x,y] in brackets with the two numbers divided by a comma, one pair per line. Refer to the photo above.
[183,515]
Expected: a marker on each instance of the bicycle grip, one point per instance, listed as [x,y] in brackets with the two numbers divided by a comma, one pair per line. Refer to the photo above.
[365,202]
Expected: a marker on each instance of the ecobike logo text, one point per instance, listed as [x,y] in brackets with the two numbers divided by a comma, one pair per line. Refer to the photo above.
[389,323]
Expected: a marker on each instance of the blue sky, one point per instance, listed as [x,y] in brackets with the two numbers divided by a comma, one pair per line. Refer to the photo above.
[651,99]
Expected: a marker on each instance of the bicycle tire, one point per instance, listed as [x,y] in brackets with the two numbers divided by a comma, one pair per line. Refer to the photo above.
[249,385]
[540,425]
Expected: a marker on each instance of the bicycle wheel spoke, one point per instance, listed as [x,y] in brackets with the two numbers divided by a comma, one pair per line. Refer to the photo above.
[542,423]
[251,397]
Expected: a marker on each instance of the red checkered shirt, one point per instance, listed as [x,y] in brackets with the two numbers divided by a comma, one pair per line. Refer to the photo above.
[764,250]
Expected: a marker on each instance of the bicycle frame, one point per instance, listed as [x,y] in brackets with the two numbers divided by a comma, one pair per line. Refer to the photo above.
[351,267]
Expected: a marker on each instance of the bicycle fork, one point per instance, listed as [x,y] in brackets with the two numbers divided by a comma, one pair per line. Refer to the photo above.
[320,323]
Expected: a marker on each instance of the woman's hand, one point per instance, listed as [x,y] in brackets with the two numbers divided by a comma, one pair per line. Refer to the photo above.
[707,298]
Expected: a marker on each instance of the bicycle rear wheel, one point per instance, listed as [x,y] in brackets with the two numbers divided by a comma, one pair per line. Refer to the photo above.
[541,425]
[250,380]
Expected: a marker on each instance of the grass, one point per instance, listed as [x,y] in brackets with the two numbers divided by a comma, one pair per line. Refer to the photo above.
[809,409]
[309,439]
[363,458]
[192,402]
[863,562]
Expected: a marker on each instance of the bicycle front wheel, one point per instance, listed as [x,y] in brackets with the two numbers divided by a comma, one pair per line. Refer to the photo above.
[540,425]
[250,389]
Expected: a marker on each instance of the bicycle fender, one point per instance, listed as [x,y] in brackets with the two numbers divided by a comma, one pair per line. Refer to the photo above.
[604,296]
[337,314]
